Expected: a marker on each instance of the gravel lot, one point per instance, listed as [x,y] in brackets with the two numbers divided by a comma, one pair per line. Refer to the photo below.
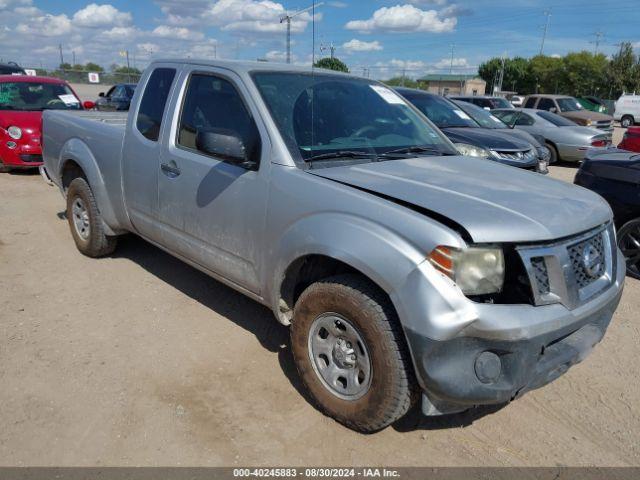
[138,359]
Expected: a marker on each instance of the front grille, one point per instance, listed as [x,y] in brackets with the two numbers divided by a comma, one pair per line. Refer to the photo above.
[571,271]
[31,158]
[578,254]
[604,125]
[540,274]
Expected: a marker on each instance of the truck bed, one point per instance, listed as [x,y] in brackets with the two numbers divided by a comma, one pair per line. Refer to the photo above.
[118,119]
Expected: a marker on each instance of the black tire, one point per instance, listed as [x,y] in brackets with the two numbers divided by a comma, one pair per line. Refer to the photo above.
[627,121]
[392,387]
[554,153]
[629,243]
[91,241]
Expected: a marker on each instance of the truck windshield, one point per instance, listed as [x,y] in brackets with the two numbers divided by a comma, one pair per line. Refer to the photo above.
[37,96]
[324,116]
[569,105]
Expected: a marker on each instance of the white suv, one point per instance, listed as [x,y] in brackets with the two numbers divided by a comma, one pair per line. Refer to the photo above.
[627,110]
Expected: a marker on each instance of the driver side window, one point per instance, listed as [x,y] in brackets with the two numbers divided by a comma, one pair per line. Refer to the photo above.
[524,120]
[546,104]
[213,104]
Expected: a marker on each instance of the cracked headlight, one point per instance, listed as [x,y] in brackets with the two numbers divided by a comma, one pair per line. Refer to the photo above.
[476,270]
[472,150]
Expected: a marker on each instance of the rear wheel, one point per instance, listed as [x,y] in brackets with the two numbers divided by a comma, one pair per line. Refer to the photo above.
[85,221]
[351,354]
[627,121]
[629,243]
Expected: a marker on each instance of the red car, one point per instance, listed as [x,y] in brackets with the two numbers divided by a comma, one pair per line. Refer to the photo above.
[22,100]
[631,140]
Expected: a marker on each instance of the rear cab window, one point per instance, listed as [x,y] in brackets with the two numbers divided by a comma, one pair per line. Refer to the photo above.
[153,102]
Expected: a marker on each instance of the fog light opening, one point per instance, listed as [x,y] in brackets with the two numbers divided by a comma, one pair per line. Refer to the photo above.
[488,367]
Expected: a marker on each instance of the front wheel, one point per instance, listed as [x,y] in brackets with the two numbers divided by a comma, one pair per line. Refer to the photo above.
[351,354]
[627,121]
[85,221]
[629,243]
[554,153]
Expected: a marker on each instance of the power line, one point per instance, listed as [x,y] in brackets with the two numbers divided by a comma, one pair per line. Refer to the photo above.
[599,36]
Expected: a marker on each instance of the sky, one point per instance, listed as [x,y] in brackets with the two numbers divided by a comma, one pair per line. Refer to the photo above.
[379,38]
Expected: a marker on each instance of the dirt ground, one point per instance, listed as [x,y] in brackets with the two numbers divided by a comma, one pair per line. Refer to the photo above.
[138,359]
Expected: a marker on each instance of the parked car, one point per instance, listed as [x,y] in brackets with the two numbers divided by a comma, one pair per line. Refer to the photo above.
[484,101]
[593,104]
[627,110]
[517,100]
[469,137]
[616,177]
[486,119]
[117,98]
[566,140]
[11,68]
[571,109]
[22,100]
[400,266]
[631,140]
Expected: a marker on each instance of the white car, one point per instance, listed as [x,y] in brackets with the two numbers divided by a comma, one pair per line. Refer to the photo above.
[627,110]
[517,100]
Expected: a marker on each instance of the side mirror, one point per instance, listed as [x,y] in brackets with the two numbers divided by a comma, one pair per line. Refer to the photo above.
[89,105]
[101,94]
[226,145]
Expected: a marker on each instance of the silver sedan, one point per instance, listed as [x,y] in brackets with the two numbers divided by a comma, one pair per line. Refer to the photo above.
[566,140]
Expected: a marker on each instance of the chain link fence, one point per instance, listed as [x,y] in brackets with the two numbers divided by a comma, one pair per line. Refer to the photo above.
[83,76]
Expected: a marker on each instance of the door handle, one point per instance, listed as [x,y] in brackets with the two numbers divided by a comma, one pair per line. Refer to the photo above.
[170,169]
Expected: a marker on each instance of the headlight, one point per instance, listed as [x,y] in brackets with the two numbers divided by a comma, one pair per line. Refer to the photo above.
[472,150]
[15,132]
[476,270]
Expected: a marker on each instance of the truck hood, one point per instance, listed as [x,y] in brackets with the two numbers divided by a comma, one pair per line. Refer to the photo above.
[491,202]
[584,115]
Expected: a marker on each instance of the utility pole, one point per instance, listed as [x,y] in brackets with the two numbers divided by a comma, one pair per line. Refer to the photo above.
[501,76]
[331,48]
[451,64]
[547,14]
[215,50]
[73,54]
[598,35]
[61,56]
[287,19]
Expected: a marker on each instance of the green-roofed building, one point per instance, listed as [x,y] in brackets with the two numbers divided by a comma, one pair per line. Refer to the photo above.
[454,84]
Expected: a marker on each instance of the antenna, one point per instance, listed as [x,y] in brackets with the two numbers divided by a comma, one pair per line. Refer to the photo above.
[287,18]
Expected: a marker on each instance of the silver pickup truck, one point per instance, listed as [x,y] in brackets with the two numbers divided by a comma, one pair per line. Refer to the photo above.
[404,270]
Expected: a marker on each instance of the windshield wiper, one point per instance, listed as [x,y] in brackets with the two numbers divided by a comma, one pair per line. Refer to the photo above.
[416,149]
[340,154]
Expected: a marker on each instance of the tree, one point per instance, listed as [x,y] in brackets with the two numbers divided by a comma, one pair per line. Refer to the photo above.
[65,66]
[332,64]
[546,73]
[127,70]
[584,74]
[93,67]
[403,82]
[516,74]
[624,71]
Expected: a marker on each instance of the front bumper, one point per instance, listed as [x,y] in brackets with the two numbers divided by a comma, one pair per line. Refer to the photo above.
[485,364]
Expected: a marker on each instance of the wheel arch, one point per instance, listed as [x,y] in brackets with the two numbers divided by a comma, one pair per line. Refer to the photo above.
[77,160]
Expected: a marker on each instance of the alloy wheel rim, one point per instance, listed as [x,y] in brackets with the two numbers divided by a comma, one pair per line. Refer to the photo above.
[629,244]
[81,218]
[340,356]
